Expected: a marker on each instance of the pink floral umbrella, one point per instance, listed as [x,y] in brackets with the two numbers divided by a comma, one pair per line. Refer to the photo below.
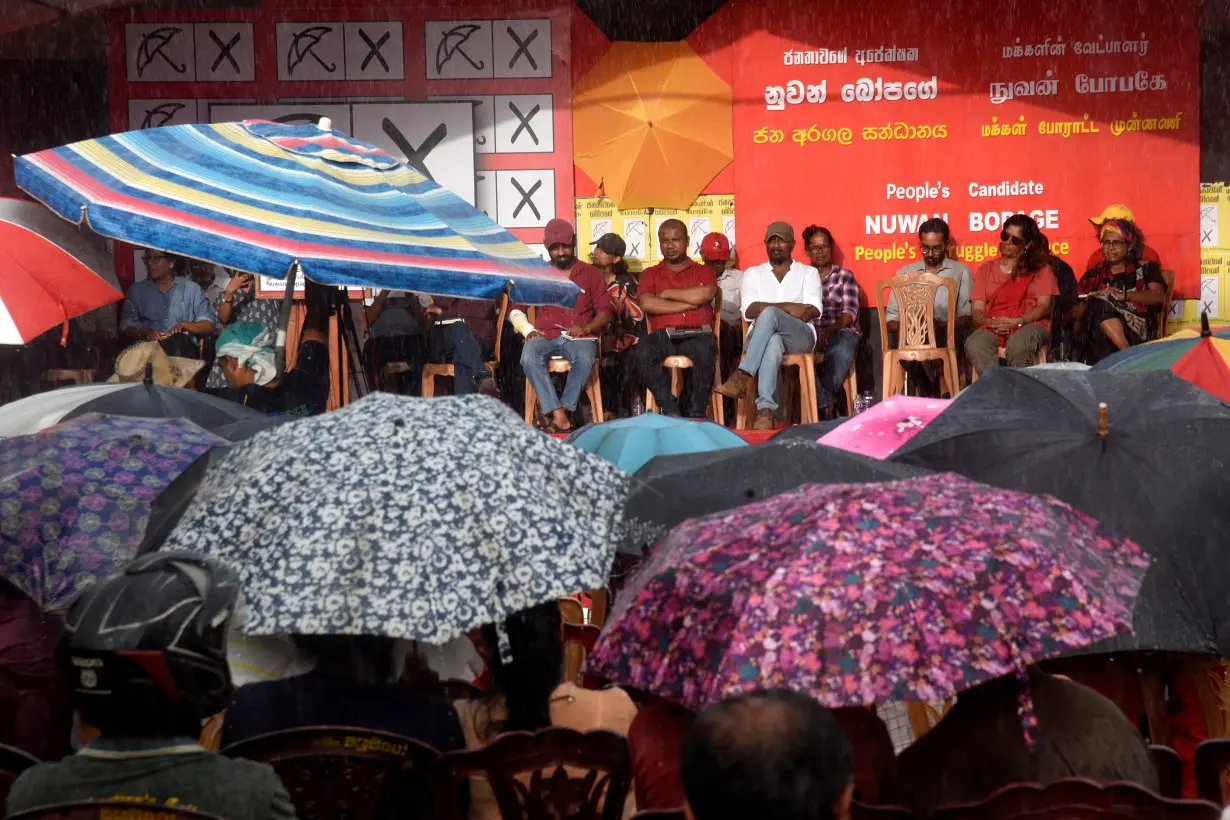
[880,431]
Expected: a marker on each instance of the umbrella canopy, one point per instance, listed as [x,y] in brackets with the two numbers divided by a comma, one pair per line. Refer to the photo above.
[879,431]
[42,410]
[75,498]
[652,123]
[807,432]
[49,273]
[671,489]
[412,518]
[257,196]
[1201,357]
[629,443]
[1155,473]
[864,593]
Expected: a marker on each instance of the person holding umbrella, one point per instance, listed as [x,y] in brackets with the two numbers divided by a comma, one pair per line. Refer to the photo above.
[167,307]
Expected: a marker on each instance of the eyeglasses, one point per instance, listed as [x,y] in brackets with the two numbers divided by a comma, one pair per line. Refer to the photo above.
[1114,243]
[933,248]
[1004,236]
[818,248]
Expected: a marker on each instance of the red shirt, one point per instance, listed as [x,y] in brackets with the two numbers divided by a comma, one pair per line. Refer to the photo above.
[593,300]
[1147,255]
[988,279]
[660,277]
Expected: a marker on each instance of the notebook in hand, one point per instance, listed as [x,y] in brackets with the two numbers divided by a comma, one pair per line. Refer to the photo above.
[673,333]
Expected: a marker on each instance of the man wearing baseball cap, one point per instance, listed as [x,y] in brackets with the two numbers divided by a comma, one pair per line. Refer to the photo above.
[715,252]
[568,333]
[783,298]
[1110,214]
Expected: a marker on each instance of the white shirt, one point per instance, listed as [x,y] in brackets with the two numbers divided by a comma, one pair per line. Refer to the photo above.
[730,283]
[801,285]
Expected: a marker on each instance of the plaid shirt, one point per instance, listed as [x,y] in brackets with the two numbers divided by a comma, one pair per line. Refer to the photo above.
[840,297]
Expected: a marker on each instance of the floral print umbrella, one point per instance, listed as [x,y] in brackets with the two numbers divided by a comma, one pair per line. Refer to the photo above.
[860,593]
[75,498]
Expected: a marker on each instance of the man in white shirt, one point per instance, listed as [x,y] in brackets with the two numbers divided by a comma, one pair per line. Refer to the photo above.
[782,297]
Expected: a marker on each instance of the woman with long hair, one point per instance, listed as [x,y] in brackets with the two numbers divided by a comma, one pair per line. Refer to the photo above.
[1121,297]
[1011,299]
[618,372]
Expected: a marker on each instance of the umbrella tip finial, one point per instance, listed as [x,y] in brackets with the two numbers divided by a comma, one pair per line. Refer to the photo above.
[1103,427]
[325,124]
[149,374]
[1204,324]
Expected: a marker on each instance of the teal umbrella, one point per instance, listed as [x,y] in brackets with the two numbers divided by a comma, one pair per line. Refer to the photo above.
[629,443]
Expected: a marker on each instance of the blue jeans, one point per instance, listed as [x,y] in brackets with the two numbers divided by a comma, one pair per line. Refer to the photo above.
[456,343]
[837,356]
[579,353]
[774,334]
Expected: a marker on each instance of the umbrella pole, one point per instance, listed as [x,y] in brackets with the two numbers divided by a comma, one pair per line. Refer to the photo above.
[288,300]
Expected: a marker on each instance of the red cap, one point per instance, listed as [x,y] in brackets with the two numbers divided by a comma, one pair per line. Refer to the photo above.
[558,232]
[715,246]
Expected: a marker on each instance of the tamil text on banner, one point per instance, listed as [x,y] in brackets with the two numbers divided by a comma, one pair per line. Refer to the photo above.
[711,213]
[873,117]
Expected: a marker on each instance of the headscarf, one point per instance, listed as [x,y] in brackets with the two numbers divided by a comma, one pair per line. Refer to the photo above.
[1102,276]
[250,344]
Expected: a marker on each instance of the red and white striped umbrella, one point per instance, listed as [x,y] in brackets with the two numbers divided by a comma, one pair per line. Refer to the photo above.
[49,272]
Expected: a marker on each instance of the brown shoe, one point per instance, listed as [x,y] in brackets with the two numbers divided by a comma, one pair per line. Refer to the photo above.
[736,385]
[764,420]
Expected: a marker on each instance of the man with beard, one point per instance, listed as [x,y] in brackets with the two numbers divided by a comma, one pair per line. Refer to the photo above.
[678,295]
[570,333]
[782,298]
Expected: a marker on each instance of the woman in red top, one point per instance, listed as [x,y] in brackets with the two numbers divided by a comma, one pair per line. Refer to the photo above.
[1011,299]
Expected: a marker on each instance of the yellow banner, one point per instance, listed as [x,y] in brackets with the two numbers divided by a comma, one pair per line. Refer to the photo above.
[1214,260]
[639,228]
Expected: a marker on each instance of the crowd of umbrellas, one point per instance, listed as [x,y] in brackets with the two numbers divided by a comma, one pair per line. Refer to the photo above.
[910,553]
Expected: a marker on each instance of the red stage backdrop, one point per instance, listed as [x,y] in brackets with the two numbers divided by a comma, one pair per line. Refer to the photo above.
[871,117]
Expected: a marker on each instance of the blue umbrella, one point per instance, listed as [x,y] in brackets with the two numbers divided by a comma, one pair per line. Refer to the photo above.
[75,498]
[630,443]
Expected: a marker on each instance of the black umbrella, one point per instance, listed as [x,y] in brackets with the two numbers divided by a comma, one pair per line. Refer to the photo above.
[149,400]
[672,489]
[807,432]
[1144,453]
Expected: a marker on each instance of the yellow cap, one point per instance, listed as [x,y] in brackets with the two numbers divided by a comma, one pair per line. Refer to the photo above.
[1112,212]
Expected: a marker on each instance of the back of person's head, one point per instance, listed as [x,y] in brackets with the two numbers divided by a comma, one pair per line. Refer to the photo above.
[771,755]
[357,658]
[534,670]
[144,650]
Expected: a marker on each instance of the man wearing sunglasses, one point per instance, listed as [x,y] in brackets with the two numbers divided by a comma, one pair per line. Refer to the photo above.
[168,308]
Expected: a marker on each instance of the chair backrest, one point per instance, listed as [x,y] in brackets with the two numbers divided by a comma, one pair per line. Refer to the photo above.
[915,297]
[112,810]
[499,325]
[579,641]
[1169,276]
[571,611]
[1077,799]
[554,774]
[1213,770]
[13,762]
[342,773]
[599,605]
[1169,770]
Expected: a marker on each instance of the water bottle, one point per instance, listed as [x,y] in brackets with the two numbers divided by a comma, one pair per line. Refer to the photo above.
[859,404]
[638,406]
[867,399]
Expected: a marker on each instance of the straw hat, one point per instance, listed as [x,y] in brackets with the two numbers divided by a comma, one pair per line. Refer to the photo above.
[170,371]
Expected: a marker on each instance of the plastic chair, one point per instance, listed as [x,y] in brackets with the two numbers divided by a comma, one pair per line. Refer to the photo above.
[432,370]
[677,364]
[916,341]
[342,773]
[593,388]
[112,810]
[555,774]
[13,762]
[1078,799]
[1213,770]
[805,366]
[579,641]
[1169,276]
[571,611]
[1169,770]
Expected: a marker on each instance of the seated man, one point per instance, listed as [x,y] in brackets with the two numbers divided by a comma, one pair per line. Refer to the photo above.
[463,334]
[773,755]
[782,297]
[837,331]
[568,332]
[395,331]
[167,307]
[144,651]
[248,363]
[677,293]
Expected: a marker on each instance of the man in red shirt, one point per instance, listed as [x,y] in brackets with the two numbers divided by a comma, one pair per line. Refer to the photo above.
[678,295]
[569,333]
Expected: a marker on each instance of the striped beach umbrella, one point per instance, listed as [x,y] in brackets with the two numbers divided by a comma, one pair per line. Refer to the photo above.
[260,196]
[1202,357]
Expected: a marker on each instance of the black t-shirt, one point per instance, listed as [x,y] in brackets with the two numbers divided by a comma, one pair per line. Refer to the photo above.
[303,391]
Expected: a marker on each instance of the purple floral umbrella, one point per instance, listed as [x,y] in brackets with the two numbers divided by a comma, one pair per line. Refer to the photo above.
[75,498]
[862,593]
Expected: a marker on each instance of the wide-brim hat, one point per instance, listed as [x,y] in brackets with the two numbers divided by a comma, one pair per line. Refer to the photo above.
[169,371]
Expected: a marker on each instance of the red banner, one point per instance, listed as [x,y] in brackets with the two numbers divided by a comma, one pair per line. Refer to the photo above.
[869,118]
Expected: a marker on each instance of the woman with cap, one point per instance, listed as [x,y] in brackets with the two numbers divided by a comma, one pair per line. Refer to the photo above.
[618,374]
[1113,212]
[1122,296]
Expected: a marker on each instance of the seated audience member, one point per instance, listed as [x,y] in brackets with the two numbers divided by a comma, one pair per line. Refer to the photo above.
[167,307]
[248,361]
[620,385]
[567,332]
[979,746]
[1011,299]
[715,252]
[837,331]
[781,298]
[238,303]
[144,651]
[678,295]
[37,714]
[169,371]
[1063,306]
[462,333]
[526,695]
[1121,299]
[395,333]
[772,755]
[1112,213]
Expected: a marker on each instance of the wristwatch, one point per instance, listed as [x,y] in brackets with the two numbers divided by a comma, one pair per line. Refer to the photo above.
[1020,323]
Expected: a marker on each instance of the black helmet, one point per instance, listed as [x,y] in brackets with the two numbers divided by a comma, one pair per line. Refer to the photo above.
[151,639]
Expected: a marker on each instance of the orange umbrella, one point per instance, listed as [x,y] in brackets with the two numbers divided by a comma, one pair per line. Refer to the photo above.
[652,123]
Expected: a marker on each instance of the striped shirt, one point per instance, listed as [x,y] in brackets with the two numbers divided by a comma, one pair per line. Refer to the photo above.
[840,298]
